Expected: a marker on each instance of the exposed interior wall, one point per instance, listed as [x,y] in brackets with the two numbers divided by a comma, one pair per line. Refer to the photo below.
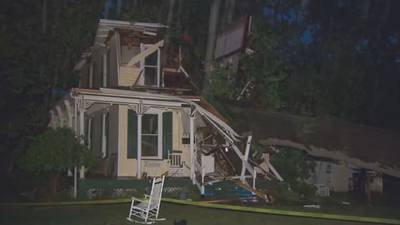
[128,75]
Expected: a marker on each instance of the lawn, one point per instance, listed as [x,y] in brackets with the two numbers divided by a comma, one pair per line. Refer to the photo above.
[116,214]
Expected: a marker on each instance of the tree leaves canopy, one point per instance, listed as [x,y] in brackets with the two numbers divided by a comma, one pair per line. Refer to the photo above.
[56,150]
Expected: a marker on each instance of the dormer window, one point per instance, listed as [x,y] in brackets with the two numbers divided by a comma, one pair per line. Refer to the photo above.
[151,67]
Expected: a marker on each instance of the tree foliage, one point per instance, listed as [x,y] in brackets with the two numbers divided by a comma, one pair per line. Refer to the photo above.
[295,167]
[40,42]
[325,57]
[56,150]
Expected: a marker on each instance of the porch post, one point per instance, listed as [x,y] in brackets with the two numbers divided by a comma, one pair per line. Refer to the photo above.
[82,136]
[244,159]
[139,146]
[192,157]
[254,178]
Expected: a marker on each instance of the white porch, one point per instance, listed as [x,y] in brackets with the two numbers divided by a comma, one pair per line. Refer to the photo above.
[199,160]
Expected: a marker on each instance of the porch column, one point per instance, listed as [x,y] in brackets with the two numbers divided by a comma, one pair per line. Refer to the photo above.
[139,146]
[192,157]
[82,136]
[244,159]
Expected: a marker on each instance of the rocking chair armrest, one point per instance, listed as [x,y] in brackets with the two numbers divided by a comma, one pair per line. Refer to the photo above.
[137,199]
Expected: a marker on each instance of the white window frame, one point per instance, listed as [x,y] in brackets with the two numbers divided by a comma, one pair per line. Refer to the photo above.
[142,64]
[159,134]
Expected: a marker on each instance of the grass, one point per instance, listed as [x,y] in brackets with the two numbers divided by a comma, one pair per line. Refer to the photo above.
[116,214]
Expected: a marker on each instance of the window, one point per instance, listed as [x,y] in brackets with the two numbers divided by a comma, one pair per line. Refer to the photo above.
[156,135]
[150,134]
[151,67]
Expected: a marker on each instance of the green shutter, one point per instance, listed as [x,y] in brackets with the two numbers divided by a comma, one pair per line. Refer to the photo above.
[132,134]
[167,134]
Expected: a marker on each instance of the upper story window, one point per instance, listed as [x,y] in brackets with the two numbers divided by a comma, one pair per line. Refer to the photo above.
[151,67]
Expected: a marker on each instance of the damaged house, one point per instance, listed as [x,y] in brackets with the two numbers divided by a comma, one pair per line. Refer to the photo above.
[136,107]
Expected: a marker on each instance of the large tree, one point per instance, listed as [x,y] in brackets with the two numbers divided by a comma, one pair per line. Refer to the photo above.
[325,57]
[40,41]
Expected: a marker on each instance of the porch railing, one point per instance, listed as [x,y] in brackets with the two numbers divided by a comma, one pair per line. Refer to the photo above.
[175,160]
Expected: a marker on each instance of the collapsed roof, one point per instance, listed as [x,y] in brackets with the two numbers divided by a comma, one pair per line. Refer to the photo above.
[326,137]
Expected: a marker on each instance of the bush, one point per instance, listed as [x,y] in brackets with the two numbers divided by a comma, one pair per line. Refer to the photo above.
[295,166]
[55,151]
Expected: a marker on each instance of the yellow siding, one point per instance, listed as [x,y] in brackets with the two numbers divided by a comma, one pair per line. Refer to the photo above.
[128,75]
[126,167]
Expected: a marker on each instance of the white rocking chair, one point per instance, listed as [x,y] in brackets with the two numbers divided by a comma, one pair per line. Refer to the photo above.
[147,210]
